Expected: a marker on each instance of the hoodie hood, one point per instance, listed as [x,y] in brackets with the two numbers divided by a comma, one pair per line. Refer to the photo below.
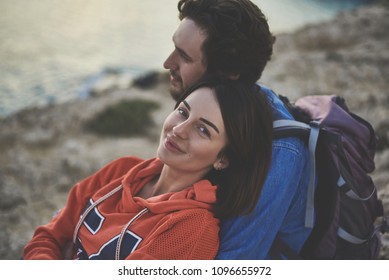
[200,195]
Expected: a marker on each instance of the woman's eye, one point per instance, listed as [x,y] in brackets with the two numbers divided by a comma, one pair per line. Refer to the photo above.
[182,112]
[204,131]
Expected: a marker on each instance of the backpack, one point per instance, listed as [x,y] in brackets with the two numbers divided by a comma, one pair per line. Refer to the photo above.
[342,204]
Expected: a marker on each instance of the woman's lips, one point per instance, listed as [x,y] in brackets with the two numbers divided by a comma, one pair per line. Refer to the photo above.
[172,146]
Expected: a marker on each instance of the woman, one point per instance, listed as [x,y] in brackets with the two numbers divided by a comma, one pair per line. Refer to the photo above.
[213,157]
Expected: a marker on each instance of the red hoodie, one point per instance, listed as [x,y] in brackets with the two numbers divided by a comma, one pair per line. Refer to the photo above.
[176,225]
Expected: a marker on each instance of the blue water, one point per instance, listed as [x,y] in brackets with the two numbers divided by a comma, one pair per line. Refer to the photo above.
[50,49]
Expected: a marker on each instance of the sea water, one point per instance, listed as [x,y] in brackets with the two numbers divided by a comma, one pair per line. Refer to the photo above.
[49,49]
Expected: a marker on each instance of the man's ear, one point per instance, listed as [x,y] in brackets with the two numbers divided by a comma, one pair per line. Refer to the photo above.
[233,77]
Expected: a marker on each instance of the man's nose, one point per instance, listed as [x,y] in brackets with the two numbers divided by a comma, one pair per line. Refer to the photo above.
[170,62]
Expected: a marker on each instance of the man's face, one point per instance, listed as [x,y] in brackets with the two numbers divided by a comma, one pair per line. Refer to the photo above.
[186,63]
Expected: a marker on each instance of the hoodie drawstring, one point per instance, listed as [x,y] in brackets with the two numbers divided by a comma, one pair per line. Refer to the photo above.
[119,244]
[93,205]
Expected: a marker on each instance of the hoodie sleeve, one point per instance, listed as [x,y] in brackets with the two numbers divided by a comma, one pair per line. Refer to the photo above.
[187,234]
[51,240]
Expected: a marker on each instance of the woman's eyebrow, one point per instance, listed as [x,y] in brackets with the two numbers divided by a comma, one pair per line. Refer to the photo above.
[186,104]
[210,124]
[202,119]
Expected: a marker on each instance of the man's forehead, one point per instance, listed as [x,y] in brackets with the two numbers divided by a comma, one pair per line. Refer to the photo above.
[189,35]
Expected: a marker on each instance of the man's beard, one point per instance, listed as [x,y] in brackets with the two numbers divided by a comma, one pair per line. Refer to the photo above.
[175,94]
[175,91]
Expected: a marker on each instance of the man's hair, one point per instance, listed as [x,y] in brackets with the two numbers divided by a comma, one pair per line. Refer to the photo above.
[248,125]
[238,41]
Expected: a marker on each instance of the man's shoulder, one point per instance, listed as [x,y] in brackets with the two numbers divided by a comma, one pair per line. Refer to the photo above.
[279,110]
[289,145]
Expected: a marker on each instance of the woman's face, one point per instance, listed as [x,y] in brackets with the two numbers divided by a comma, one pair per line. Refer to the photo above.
[193,135]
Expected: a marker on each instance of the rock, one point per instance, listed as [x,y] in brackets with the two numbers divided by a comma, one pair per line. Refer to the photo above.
[11,194]
[147,80]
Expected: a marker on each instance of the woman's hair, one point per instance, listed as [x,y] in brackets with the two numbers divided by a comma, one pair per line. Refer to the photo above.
[238,40]
[248,125]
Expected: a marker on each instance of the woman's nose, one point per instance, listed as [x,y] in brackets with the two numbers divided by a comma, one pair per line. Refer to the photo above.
[181,130]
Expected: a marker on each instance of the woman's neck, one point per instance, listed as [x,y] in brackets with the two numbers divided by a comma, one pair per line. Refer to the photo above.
[170,180]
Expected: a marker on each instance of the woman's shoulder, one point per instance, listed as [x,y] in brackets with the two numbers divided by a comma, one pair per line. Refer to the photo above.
[123,163]
[117,168]
[126,161]
[198,217]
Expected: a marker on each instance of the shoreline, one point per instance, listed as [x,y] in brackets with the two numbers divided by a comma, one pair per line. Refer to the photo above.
[51,80]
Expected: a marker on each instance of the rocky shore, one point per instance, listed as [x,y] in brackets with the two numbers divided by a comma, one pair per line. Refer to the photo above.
[44,151]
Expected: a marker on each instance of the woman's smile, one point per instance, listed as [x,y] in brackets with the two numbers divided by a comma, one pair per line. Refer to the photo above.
[172,146]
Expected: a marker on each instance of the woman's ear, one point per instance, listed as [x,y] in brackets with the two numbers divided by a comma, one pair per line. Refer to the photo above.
[221,163]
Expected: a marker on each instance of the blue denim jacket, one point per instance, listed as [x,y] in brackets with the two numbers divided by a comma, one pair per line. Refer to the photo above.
[281,207]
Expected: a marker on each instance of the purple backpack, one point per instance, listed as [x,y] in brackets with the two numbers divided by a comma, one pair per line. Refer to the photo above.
[342,204]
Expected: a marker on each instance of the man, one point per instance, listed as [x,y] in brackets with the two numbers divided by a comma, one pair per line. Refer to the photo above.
[231,38]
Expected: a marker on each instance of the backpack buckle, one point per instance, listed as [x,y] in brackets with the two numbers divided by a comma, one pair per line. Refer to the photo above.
[315,124]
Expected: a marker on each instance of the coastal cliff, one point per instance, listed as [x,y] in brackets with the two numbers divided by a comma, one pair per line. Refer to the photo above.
[45,151]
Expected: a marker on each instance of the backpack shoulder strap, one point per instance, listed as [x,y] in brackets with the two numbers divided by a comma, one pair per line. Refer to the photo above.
[284,128]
